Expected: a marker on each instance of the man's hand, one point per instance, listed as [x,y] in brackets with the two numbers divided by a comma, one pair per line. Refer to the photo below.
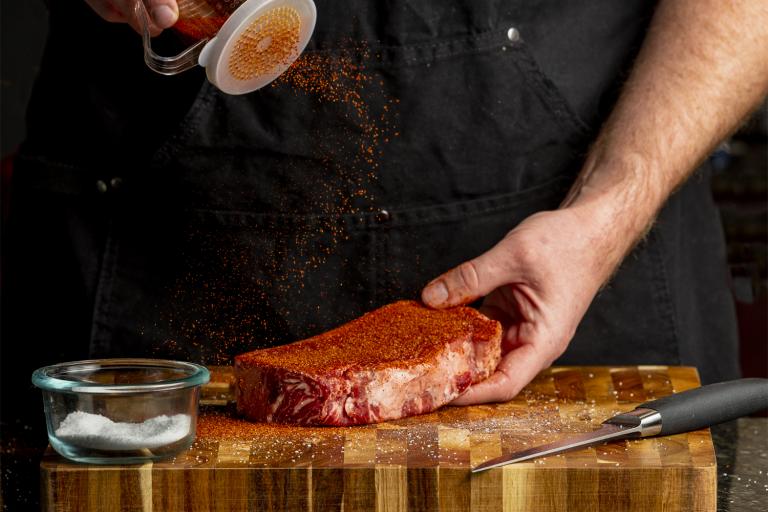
[162,13]
[539,281]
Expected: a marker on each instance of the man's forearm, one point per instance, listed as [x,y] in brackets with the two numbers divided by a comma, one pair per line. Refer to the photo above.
[703,67]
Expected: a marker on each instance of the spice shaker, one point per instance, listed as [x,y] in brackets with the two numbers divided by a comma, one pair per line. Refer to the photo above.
[242,44]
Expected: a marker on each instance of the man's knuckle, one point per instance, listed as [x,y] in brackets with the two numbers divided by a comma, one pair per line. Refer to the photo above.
[468,274]
[510,392]
[509,387]
[526,254]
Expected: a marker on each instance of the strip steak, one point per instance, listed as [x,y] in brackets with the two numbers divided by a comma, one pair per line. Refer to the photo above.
[400,360]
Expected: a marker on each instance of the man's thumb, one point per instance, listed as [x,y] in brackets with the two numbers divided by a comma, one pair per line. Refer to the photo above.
[467,282]
[164,13]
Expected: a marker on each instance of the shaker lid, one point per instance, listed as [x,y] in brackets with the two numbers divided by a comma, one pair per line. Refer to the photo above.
[257,43]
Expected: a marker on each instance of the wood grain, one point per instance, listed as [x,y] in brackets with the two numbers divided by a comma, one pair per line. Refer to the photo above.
[420,463]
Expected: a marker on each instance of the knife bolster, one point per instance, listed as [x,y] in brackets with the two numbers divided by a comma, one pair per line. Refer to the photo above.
[644,422]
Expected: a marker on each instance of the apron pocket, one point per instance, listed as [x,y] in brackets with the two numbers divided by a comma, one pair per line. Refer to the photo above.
[476,118]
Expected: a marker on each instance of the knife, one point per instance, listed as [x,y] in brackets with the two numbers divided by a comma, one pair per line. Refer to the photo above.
[682,412]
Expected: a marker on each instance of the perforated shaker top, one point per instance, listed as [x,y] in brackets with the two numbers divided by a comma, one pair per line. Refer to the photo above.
[258,42]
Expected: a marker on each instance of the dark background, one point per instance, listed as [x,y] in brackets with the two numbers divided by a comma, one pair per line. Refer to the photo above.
[24,24]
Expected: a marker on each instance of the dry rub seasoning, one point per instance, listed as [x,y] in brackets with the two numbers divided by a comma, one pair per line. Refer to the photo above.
[392,336]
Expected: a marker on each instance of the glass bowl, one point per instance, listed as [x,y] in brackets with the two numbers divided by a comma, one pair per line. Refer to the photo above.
[121,411]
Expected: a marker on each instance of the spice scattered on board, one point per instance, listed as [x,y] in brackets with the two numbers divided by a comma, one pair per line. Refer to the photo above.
[448,436]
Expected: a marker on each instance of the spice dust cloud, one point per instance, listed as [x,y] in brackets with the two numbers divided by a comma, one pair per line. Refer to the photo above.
[236,294]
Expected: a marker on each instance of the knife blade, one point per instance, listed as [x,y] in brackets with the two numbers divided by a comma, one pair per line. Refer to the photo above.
[682,412]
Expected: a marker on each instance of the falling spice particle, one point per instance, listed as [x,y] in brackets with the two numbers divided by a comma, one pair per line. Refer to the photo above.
[237,294]
[341,79]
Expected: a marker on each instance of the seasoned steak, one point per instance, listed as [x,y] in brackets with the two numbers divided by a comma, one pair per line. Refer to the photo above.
[399,360]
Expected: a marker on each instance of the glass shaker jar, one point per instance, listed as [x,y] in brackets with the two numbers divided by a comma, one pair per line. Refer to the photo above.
[242,44]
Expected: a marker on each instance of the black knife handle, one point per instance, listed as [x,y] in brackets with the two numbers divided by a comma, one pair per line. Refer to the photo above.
[709,405]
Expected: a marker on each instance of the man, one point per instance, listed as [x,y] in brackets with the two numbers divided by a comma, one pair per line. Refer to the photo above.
[158,218]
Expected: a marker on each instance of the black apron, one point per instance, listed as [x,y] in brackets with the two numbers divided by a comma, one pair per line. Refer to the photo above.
[196,225]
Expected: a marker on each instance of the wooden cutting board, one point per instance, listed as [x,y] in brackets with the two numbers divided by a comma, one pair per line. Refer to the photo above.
[420,463]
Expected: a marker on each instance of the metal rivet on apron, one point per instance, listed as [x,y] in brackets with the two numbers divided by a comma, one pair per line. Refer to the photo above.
[513,34]
[383,216]
[101,186]
[116,182]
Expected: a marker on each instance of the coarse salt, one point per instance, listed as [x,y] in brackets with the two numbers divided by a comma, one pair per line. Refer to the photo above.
[98,432]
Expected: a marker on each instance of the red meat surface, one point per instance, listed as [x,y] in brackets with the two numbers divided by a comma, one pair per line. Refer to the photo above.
[400,360]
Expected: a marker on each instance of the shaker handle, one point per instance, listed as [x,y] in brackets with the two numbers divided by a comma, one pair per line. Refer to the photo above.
[174,65]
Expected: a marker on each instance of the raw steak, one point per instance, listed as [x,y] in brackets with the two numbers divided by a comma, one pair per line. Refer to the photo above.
[400,360]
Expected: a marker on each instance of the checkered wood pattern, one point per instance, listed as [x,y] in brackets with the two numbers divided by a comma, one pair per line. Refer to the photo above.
[422,463]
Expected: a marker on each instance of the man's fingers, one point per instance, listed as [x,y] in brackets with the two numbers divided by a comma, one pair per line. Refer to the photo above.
[164,13]
[484,392]
[467,282]
[517,369]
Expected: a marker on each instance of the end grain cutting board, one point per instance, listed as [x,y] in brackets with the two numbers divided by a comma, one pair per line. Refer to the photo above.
[420,463]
